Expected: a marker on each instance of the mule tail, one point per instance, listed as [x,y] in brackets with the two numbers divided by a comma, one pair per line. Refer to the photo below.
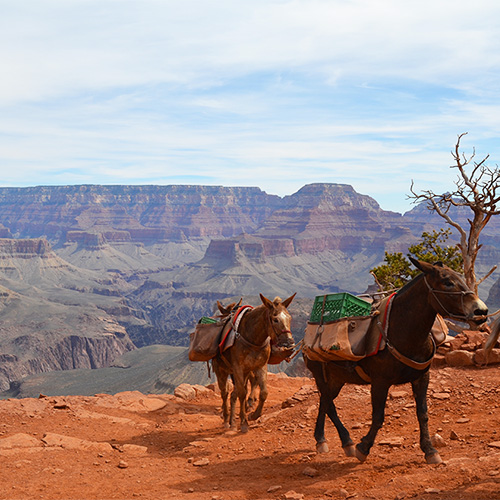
[493,337]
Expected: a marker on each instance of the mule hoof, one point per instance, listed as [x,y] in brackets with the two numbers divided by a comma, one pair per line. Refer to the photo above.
[226,425]
[360,456]
[244,429]
[350,451]
[434,459]
[322,447]
[254,416]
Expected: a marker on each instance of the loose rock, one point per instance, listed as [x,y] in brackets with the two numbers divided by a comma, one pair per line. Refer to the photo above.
[438,441]
[293,495]
[310,471]
[201,463]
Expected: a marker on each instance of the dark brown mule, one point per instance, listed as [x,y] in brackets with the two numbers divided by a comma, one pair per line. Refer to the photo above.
[266,323]
[437,290]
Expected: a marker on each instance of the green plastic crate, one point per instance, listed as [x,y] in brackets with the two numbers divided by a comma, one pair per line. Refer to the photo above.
[338,305]
[207,321]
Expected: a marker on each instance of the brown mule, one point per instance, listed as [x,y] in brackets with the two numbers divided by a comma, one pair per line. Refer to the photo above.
[249,354]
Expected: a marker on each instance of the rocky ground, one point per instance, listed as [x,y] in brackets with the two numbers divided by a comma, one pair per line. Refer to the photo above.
[163,446]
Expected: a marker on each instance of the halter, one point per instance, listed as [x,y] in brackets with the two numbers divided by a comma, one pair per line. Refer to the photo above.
[434,292]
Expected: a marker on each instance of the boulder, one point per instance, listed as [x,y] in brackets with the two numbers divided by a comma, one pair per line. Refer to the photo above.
[480,357]
[185,391]
[460,358]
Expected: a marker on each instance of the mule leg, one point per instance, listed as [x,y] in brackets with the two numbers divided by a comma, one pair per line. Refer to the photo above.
[252,398]
[222,377]
[379,394]
[260,380]
[419,387]
[319,429]
[232,412]
[240,393]
[327,407]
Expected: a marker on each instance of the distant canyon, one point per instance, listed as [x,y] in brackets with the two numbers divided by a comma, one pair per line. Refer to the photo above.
[90,272]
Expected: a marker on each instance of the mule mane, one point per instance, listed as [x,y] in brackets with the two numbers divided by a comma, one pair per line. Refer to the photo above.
[410,284]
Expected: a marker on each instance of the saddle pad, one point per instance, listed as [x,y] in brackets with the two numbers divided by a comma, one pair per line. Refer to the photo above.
[229,334]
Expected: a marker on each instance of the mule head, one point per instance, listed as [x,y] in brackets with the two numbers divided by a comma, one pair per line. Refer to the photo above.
[280,320]
[449,294]
[227,310]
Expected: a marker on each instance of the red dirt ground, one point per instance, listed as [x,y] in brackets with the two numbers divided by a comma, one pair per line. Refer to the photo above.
[181,451]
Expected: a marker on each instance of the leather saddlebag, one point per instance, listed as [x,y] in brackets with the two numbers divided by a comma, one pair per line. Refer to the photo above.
[204,341]
[342,339]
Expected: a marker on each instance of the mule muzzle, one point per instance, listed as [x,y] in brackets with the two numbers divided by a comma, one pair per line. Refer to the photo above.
[285,340]
[477,320]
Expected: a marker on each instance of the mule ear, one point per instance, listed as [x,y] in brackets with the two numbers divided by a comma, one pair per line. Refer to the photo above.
[266,302]
[239,303]
[222,309]
[288,301]
[425,267]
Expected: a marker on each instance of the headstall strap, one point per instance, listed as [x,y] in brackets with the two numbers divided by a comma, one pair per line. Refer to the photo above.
[459,317]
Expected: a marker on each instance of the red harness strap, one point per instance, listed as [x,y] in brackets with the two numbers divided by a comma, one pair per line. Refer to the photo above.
[383,325]
[235,321]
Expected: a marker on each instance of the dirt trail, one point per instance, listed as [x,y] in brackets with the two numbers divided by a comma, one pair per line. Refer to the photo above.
[161,446]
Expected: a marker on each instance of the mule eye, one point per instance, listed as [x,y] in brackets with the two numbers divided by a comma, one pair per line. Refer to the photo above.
[448,282]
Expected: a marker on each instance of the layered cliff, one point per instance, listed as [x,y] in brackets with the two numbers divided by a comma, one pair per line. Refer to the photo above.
[164,254]
[139,213]
[54,316]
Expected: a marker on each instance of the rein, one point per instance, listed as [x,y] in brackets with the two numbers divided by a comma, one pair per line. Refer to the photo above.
[384,327]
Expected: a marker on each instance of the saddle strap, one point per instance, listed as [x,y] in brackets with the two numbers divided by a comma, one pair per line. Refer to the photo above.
[362,374]
[253,346]
[417,365]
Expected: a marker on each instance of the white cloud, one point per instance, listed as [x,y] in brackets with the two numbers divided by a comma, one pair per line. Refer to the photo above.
[270,93]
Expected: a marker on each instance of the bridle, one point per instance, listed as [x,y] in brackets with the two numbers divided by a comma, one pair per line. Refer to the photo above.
[277,333]
[268,339]
[446,312]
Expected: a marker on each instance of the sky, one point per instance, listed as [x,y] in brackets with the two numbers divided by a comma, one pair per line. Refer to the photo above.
[269,93]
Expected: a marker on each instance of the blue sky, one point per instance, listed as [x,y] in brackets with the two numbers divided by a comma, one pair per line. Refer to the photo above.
[274,94]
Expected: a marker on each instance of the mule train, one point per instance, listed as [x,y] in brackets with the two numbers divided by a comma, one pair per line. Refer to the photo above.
[404,353]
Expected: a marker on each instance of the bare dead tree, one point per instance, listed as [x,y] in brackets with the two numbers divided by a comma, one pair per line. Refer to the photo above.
[477,190]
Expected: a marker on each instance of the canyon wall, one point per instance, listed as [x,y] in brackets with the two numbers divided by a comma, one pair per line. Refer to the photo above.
[93,271]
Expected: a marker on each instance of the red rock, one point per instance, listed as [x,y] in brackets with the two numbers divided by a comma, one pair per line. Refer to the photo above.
[460,358]
[480,357]
[19,440]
